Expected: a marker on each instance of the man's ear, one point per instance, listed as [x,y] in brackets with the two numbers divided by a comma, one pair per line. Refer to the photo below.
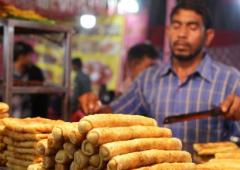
[210,33]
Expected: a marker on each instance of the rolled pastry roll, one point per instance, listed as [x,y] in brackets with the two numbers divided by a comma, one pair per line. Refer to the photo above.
[109,150]
[4,107]
[61,133]
[76,137]
[19,162]
[31,125]
[24,144]
[70,149]
[13,166]
[48,162]
[75,166]
[97,162]
[88,148]
[80,159]
[113,120]
[55,145]
[44,149]
[220,164]
[4,115]
[3,146]
[62,157]
[170,166]
[61,166]
[214,147]
[24,136]
[37,166]
[228,155]
[104,135]
[22,150]
[147,158]
[28,157]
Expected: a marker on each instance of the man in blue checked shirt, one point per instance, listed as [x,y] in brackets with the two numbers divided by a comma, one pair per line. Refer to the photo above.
[191,82]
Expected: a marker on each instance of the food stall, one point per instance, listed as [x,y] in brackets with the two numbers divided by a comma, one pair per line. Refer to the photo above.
[96,142]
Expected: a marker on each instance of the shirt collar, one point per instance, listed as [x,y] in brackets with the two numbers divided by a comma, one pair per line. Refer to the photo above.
[204,69]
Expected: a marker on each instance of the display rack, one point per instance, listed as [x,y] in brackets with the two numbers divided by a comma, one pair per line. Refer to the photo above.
[11,27]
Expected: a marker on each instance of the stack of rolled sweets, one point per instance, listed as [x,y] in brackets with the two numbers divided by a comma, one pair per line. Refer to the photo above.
[22,136]
[58,150]
[220,164]
[206,151]
[4,112]
[112,138]
[226,155]
[2,145]
[4,108]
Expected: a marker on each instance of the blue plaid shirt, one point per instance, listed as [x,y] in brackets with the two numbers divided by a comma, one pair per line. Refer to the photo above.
[158,93]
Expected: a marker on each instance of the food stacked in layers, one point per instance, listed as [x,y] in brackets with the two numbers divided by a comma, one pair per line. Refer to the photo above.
[113,142]
[21,137]
[226,156]
[4,108]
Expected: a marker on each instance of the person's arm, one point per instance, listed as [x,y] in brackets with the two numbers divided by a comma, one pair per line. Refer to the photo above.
[130,102]
[231,105]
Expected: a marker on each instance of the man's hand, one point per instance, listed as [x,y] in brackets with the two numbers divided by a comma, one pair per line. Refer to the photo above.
[231,107]
[89,103]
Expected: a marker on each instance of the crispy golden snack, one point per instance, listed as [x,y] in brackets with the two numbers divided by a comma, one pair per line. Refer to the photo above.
[22,150]
[62,157]
[147,158]
[20,162]
[80,159]
[53,144]
[13,166]
[61,166]
[24,136]
[97,162]
[214,147]
[61,133]
[23,144]
[4,115]
[28,157]
[4,108]
[87,123]
[88,148]
[43,148]
[228,155]
[37,166]
[220,164]
[109,150]
[70,149]
[31,125]
[104,135]
[76,137]
[3,146]
[170,166]
[48,162]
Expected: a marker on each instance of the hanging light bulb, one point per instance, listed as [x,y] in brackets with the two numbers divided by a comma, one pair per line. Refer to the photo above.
[128,6]
[88,21]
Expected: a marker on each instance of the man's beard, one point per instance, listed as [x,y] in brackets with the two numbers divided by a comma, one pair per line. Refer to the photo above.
[190,57]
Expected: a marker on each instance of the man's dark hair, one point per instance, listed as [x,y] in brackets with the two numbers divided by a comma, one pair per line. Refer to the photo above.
[77,62]
[21,48]
[140,51]
[196,6]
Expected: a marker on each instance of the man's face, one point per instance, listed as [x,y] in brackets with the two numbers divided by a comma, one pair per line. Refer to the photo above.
[187,35]
[27,59]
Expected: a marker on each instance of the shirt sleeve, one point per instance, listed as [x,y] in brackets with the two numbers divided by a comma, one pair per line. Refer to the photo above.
[130,102]
[236,124]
